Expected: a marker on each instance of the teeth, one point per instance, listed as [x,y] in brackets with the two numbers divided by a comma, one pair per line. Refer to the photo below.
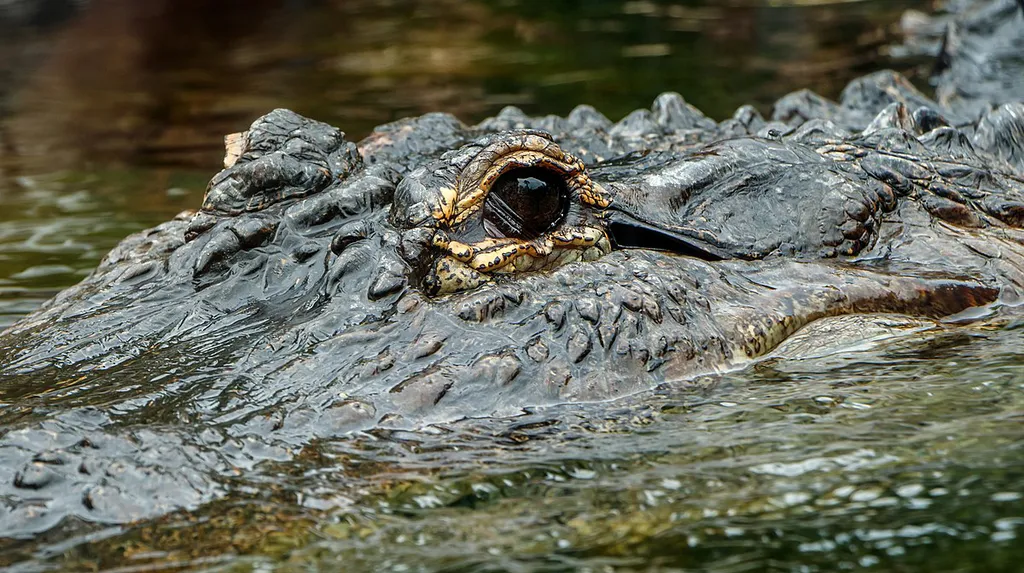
[543,248]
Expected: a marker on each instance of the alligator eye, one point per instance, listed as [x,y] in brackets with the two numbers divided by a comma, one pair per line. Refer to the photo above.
[525,203]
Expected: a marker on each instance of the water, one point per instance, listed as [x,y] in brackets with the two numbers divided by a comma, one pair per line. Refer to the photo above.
[908,456]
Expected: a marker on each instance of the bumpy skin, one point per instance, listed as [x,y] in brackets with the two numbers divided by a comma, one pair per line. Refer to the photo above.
[981,54]
[327,287]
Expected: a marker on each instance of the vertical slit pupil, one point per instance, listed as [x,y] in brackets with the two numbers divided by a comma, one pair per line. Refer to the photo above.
[525,203]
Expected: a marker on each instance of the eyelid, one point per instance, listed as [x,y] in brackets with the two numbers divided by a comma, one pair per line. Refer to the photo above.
[534,160]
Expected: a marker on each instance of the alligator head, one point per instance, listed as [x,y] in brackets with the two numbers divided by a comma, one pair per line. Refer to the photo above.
[435,271]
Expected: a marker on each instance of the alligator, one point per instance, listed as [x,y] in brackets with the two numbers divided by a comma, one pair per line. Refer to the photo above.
[435,271]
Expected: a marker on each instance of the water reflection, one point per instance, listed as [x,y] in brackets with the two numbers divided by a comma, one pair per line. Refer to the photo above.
[160,82]
[54,228]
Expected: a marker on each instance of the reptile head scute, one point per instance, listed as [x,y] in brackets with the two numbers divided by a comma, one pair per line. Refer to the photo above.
[510,202]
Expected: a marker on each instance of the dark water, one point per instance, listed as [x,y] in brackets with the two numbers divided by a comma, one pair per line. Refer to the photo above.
[905,456]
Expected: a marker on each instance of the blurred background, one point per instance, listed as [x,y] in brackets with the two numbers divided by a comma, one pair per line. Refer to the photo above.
[112,112]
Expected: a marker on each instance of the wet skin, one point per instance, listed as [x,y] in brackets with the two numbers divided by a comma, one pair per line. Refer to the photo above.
[435,271]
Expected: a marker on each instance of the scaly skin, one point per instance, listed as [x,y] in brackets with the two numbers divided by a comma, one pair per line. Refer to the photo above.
[327,287]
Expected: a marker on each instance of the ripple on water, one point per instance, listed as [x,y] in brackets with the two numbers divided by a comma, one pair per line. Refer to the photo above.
[55,228]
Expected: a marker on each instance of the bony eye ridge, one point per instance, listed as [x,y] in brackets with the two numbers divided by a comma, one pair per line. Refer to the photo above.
[525,203]
[512,202]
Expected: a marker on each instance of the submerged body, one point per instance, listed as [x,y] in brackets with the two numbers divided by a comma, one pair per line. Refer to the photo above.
[436,271]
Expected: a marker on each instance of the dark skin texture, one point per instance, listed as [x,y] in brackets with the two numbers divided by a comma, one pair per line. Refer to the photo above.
[327,287]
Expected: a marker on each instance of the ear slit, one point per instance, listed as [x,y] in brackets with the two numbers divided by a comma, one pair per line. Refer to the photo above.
[629,233]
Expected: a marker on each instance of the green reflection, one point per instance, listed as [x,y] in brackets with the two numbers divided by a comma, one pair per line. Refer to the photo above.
[55,228]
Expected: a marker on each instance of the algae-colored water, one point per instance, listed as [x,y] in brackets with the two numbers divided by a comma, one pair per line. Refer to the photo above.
[905,456]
